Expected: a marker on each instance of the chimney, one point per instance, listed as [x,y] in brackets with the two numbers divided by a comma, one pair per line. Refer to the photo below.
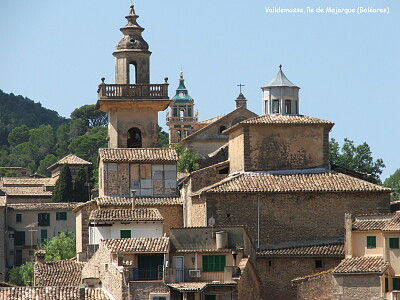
[348,226]
[40,254]
[82,290]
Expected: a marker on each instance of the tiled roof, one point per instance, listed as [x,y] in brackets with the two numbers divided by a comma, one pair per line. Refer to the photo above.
[19,181]
[70,159]
[364,264]
[198,286]
[286,119]
[383,222]
[106,201]
[304,278]
[132,245]
[2,200]
[138,155]
[43,206]
[212,120]
[328,250]
[137,214]
[299,182]
[26,191]
[60,273]
[50,293]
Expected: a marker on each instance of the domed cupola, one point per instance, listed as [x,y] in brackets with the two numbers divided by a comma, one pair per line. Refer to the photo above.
[280,96]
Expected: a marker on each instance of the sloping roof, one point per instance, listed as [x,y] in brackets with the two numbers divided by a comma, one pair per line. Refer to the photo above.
[50,293]
[198,286]
[43,206]
[304,278]
[107,201]
[134,245]
[137,214]
[20,181]
[364,264]
[35,191]
[70,159]
[211,120]
[286,119]
[60,273]
[377,222]
[327,250]
[257,182]
[138,155]
[280,79]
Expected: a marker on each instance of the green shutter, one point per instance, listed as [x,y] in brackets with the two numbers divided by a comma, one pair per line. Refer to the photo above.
[214,263]
[396,283]
[394,243]
[18,218]
[43,234]
[61,215]
[211,297]
[386,284]
[125,234]
[371,242]
[19,238]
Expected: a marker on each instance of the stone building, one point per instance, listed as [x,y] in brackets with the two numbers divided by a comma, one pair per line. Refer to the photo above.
[74,163]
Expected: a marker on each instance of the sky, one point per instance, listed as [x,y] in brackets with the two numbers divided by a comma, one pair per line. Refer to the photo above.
[55,52]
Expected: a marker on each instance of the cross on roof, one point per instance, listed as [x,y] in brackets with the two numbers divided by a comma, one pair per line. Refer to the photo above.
[240,87]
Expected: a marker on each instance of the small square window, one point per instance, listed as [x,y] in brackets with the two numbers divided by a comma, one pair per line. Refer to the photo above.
[394,243]
[18,218]
[61,216]
[125,234]
[371,242]
[318,264]
[44,219]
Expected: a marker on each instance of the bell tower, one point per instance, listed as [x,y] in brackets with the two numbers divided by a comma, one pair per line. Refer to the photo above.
[280,96]
[181,117]
[132,103]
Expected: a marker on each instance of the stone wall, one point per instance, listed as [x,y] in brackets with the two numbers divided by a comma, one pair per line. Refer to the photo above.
[173,216]
[142,289]
[276,273]
[356,286]
[285,217]
[249,284]
[2,242]
[319,287]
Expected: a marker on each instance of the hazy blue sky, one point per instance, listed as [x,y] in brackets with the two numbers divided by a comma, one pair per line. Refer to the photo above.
[347,66]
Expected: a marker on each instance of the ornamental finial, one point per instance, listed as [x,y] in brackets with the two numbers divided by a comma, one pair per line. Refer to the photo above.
[280,67]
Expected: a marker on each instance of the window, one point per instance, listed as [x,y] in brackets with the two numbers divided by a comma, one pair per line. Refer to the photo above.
[275,106]
[394,243]
[318,264]
[125,234]
[288,106]
[43,235]
[159,298]
[396,283]
[134,138]
[18,218]
[371,242]
[221,128]
[61,215]
[19,238]
[44,219]
[211,297]
[386,284]
[214,263]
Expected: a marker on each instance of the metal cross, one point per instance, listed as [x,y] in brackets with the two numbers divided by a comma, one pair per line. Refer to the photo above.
[240,86]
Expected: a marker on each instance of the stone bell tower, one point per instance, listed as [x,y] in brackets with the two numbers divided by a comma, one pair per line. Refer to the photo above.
[280,96]
[132,103]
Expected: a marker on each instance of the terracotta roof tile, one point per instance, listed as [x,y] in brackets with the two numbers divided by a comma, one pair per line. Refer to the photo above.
[304,278]
[137,214]
[26,191]
[286,119]
[43,206]
[70,159]
[377,222]
[19,181]
[328,250]
[298,182]
[2,200]
[132,245]
[50,293]
[107,201]
[60,273]
[138,155]
[364,264]
[197,286]
[212,120]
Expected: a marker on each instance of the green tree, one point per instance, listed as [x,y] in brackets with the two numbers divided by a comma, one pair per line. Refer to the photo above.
[393,182]
[163,138]
[22,275]
[49,160]
[188,160]
[91,115]
[59,247]
[18,135]
[63,191]
[358,158]
[81,193]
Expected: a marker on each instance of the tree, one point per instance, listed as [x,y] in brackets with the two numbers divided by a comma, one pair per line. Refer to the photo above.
[358,158]
[393,182]
[63,191]
[18,135]
[91,115]
[81,193]
[188,160]
[163,138]
[22,275]
[49,160]
[59,247]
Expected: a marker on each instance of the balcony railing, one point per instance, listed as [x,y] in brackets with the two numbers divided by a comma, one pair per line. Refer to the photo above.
[139,274]
[181,119]
[132,91]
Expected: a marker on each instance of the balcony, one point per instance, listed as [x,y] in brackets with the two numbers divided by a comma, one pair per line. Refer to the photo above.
[133,91]
[187,275]
[140,274]
[181,119]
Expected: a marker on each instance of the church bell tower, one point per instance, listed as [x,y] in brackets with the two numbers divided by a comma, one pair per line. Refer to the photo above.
[132,103]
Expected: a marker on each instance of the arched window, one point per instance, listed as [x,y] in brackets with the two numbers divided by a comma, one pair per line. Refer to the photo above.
[179,135]
[134,138]
[221,128]
[132,73]
[182,113]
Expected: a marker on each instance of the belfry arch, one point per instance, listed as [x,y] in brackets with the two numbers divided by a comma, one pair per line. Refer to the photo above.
[134,138]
